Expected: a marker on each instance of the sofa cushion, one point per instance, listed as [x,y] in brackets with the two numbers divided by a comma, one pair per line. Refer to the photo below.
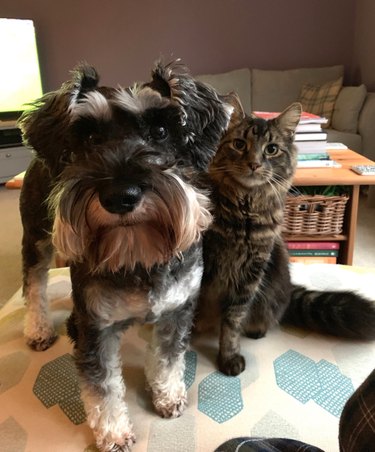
[320,99]
[348,105]
[352,140]
[238,80]
[275,90]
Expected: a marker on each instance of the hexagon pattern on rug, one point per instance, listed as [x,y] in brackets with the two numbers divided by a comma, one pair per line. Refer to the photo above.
[57,383]
[13,437]
[190,368]
[220,397]
[306,380]
[272,425]
[175,434]
[12,369]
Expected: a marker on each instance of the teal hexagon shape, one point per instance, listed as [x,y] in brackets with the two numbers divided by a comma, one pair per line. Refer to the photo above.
[297,375]
[190,368]
[306,380]
[336,388]
[57,384]
[220,397]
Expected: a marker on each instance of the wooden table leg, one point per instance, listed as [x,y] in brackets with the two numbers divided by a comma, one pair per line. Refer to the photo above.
[351,215]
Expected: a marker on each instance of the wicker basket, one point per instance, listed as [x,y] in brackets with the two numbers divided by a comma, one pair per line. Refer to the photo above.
[314,215]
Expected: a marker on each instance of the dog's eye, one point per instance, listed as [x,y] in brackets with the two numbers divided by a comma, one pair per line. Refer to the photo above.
[271,149]
[158,133]
[239,145]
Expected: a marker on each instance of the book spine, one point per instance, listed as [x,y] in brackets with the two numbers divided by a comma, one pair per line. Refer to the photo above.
[308,147]
[313,245]
[318,164]
[313,156]
[313,252]
[314,136]
[313,259]
[312,127]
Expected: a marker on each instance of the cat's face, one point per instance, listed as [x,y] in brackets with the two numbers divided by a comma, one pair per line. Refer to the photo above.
[255,152]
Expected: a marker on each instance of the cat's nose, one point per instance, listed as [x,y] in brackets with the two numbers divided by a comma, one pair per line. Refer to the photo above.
[254,165]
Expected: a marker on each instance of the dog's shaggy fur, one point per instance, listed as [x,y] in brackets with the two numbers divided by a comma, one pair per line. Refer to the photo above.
[114,180]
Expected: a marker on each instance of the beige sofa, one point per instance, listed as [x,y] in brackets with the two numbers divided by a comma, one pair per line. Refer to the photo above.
[353,119]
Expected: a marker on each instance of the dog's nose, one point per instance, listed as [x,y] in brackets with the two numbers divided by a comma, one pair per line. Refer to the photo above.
[121,199]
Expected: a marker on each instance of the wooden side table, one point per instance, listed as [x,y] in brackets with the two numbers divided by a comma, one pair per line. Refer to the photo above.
[338,176]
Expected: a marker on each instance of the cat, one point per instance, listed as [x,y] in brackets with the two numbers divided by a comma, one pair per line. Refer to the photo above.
[246,276]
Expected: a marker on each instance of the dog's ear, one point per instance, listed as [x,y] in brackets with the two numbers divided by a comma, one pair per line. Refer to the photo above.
[45,125]
[204,113]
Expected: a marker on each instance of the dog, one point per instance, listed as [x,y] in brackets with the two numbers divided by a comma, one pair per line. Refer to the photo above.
[113,188]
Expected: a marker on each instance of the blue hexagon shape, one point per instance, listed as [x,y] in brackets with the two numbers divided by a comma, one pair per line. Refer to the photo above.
[306,380]
[219,397]
[297,375]
[190,368]
[336,388]
[57,383]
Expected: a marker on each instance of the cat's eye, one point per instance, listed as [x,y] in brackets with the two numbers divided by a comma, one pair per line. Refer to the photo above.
[239,145]
[158,133]
[271,149]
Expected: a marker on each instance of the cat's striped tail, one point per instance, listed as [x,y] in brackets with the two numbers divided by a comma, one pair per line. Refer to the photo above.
[343,314]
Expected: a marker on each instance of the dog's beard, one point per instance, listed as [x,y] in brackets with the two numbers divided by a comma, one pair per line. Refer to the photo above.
[165,223]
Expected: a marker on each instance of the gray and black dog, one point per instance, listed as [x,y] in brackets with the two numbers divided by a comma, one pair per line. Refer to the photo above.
[113,189]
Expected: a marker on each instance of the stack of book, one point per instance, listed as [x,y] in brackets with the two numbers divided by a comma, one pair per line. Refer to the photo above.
[310,137]
[311,142]
[313,252]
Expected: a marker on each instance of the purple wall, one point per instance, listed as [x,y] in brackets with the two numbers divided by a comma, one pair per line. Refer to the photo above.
[122,38]
[363,65]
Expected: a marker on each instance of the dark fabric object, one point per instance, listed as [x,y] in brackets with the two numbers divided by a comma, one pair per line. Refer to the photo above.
[266,445]
[357,421]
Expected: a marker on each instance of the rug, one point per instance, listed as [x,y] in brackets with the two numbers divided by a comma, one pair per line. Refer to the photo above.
[295,383]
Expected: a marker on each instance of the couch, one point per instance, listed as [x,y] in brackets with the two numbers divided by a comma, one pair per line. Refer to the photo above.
[353,117]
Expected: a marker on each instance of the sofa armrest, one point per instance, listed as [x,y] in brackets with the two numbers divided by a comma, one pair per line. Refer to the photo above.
[366,126]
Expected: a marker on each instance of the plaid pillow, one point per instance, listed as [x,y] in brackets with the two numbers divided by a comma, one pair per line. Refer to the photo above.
[320,100]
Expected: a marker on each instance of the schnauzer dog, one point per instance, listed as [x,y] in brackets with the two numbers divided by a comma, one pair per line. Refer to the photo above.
[113,188]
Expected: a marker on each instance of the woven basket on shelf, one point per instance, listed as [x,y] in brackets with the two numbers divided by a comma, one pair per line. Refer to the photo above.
[314,215]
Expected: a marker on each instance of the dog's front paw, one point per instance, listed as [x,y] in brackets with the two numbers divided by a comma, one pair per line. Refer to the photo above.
[110,423]
[118,444]
[170,406]
[40,344]
[39,338]
[232,365]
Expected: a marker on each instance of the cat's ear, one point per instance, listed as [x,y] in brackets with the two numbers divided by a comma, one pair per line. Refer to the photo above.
[238,113]
[290,117]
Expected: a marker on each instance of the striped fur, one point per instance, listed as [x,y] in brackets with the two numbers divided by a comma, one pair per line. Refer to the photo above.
[246,277]
[343,314]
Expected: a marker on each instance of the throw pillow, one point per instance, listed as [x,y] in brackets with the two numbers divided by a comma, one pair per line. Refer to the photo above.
[348,106]
[320,100]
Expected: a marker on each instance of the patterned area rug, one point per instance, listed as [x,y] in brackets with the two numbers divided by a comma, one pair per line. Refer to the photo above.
[295,384]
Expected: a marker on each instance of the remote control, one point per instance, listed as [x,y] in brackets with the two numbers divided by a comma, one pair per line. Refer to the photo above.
[364,170]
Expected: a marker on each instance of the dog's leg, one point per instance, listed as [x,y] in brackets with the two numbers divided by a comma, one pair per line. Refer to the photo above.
[38,328]
[97,354]
[165,362]
[37,251]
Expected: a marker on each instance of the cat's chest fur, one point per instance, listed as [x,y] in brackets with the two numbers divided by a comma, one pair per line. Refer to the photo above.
[242,236]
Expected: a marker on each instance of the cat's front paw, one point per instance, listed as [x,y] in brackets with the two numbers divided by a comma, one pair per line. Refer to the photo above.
[232,365]
[255,334]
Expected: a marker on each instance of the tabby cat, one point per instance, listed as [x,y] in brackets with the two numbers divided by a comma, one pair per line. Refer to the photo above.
[246,275]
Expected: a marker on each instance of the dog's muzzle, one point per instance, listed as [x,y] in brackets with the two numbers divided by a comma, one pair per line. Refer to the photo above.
[120,198]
